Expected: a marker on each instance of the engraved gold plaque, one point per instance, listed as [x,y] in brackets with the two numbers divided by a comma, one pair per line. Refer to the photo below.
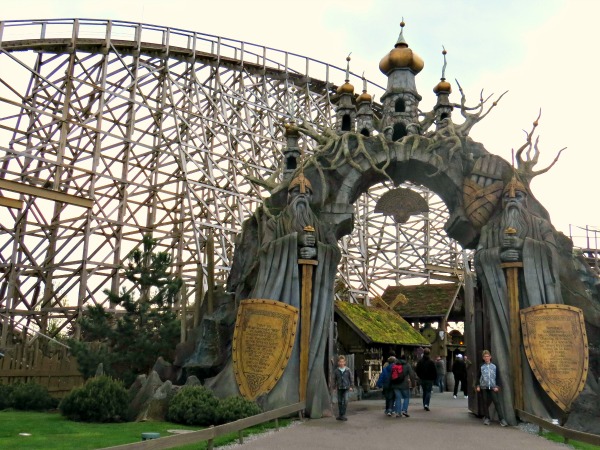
[265,331]
[557,350]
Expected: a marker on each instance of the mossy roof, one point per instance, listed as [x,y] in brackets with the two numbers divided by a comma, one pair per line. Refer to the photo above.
[427,300]
[379,324]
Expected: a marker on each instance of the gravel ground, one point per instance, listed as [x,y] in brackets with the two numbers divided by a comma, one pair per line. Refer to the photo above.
[532,428]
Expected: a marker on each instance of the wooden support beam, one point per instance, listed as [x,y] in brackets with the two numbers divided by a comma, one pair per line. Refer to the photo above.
[49,194]
[11,203]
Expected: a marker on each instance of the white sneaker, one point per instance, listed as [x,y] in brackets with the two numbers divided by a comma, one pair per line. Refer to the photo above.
[466,396]
[455,396]
[486,421]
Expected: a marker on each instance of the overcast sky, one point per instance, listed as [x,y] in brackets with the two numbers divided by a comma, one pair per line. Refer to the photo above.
[543,52]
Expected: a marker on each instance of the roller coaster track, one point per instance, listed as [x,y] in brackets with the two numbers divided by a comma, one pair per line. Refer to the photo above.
[112,129]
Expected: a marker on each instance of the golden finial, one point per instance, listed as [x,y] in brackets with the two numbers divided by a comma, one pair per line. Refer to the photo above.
[348,67]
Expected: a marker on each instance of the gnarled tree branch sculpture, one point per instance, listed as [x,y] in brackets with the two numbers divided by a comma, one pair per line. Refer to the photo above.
[525,166]
[472,118]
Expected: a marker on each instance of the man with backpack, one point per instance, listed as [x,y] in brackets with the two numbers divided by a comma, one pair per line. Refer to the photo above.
[401,376]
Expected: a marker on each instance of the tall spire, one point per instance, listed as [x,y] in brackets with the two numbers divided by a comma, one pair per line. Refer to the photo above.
[401,41]
[443,85]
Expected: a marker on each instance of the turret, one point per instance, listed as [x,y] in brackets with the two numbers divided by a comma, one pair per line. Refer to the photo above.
[401,99]
[345,112]
[364,114]
[291,152]
[443,107]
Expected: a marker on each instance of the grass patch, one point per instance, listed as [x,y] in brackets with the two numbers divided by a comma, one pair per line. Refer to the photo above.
[51,431]
[575,444]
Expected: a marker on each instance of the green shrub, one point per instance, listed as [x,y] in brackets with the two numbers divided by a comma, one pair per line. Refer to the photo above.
[193,405]
[235,408]
[5,396]
[101,399]
[30,397]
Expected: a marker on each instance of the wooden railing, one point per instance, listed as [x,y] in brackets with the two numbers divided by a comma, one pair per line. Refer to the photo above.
[566,433]
[209,434]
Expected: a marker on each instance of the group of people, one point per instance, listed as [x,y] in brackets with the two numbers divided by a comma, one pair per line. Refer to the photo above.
[396,380]
[398,376]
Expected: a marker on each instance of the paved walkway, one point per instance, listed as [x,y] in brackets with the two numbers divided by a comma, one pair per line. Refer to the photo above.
[449,425]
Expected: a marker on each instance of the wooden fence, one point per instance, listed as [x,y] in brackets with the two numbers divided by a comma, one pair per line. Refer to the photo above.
[58,373]
[209,434]
[566,433]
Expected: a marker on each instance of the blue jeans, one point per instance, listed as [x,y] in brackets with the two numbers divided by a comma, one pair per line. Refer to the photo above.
[427,387]
[402,397]
[441,382]
[342,401]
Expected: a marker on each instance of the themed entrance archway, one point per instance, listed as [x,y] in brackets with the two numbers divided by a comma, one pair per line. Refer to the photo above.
[288,250]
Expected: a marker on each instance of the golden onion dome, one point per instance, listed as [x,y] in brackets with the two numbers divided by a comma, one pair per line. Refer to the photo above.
[364,97]
[345,88]
[291,130]
[401,56]
[443,86]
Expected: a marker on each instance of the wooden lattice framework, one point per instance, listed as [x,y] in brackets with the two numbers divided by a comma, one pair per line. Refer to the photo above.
[113,129]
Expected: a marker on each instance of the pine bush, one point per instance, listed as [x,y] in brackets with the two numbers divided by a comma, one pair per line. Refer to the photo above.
[5,391]
[30,397]
[235,408]
[101,399]
[193,405]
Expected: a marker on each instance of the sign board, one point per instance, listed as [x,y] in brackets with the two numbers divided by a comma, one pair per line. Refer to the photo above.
[263,339]
[556,346]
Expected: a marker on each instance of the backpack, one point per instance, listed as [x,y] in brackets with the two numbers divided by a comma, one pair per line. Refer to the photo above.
[398,373]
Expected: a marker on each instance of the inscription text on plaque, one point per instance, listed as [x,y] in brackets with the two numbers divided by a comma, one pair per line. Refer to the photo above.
[556,346]
[263,340]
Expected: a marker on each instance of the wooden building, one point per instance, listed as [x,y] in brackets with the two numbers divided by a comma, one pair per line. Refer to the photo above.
[370,333]
[425,305]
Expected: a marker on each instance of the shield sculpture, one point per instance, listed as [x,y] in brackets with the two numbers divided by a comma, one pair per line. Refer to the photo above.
[265,331]
[557,350]
[482,189]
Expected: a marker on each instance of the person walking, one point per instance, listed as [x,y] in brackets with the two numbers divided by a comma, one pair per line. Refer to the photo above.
[343,381]
[427,374]
[384,382]
[440,368]
[401,378]
[487,384]
[459,369]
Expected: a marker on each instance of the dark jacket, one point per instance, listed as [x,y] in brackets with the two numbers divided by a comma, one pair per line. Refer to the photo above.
[408,378]
[426,369]
[459,368]
[342,380]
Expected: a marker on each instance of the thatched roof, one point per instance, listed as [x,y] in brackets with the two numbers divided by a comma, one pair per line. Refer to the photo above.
[379,324]
[423,301]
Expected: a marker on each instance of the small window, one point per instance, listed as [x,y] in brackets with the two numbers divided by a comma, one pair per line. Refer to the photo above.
[399,132]
[400,106]
[365,132]
[291,163]
[346,123]
[444,116]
